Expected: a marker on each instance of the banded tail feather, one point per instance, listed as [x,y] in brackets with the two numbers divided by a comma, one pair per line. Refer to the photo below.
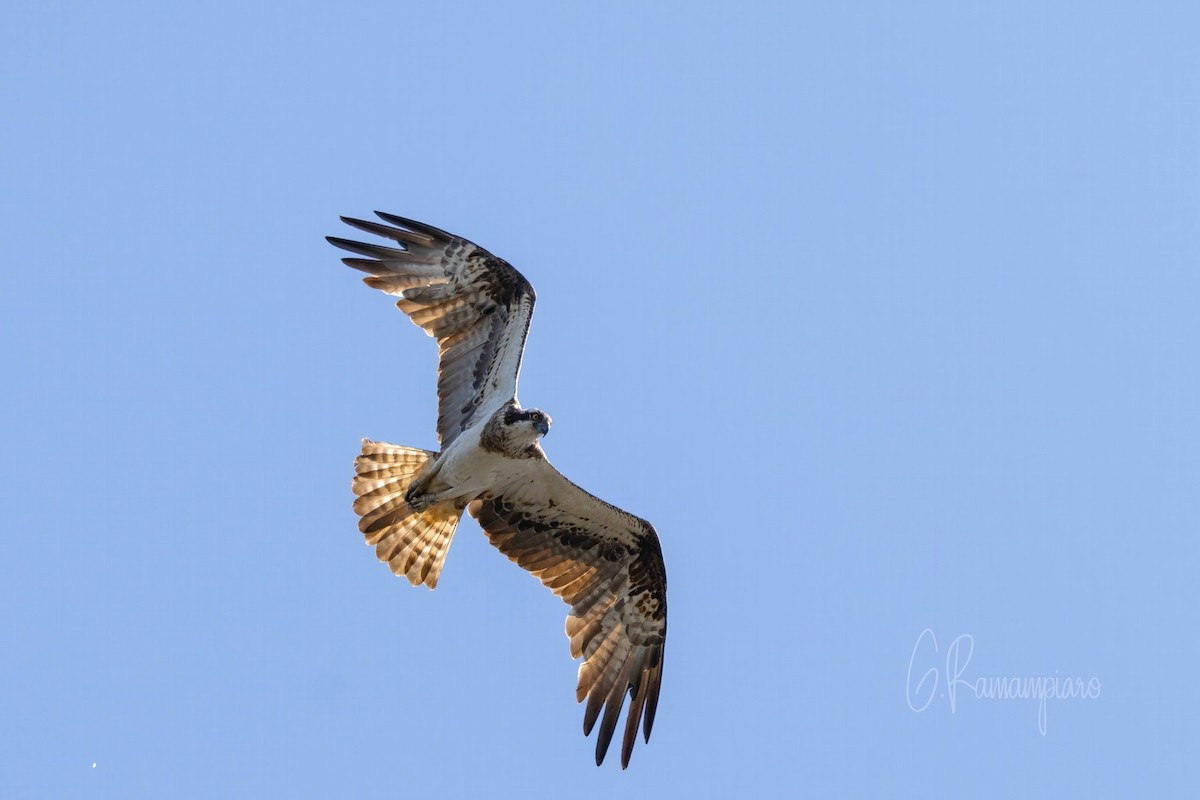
[412,543]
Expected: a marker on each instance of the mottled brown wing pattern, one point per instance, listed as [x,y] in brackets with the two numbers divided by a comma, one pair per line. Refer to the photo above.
[607,565]
[476,305]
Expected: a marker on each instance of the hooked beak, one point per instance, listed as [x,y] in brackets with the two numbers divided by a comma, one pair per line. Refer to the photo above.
[542,426]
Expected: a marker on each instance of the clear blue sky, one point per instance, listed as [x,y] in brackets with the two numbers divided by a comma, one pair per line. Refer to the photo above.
[885,314]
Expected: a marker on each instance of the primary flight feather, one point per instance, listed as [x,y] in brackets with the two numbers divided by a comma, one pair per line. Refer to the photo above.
[605,563]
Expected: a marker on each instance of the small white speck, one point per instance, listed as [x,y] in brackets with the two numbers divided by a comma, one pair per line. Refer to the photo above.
[93,765]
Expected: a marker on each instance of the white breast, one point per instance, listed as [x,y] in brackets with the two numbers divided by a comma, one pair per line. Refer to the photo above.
[468,468]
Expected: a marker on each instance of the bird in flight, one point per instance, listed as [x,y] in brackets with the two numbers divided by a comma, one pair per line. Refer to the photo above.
[605,563]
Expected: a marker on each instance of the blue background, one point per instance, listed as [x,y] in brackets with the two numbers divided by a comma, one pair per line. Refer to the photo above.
[885,314]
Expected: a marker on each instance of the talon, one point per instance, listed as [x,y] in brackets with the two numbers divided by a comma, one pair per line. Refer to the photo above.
[414,494]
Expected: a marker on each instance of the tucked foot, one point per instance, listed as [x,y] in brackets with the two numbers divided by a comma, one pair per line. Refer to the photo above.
[417,499]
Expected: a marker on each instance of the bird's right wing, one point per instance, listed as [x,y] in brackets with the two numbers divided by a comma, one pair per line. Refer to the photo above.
[476,305]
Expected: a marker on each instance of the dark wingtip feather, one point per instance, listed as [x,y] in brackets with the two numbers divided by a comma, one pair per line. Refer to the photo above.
[612,711]
[364,249]
[633,721]
[408,238]
[368,226]
[595,703]
[607,726]
[413,225]
[651,700]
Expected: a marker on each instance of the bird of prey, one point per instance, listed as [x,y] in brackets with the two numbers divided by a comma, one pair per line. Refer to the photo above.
[605,563]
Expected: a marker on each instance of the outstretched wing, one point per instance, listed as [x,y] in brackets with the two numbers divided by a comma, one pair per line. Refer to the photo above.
[604,563]
[476,305]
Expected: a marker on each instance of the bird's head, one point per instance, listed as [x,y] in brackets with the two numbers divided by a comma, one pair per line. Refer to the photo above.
[515,431]
[528,422]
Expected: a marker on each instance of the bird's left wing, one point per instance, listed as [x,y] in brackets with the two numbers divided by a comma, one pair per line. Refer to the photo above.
[476,305]
[607,565]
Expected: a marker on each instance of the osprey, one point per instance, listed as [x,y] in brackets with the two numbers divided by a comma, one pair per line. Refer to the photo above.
[605,563]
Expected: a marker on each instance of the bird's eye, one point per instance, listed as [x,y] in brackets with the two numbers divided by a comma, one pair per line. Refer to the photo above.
[535,417]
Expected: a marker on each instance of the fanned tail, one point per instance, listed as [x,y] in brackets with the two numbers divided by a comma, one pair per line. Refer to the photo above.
[413,543]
